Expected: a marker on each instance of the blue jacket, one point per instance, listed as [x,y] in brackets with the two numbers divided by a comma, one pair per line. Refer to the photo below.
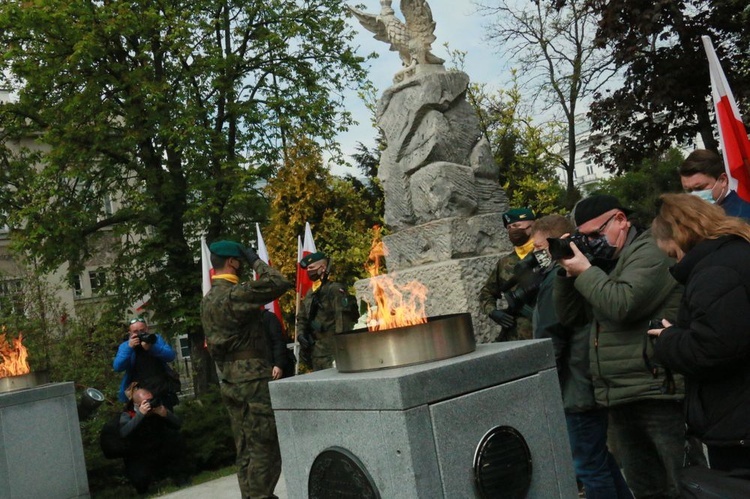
[125,360]
[735,206]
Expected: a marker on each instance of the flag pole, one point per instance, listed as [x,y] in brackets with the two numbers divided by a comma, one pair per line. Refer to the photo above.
[298,301]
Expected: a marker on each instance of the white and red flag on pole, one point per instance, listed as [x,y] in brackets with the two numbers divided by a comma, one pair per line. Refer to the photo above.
[206,269]
[140,305]
[735,145]
[273,306]
[304,248]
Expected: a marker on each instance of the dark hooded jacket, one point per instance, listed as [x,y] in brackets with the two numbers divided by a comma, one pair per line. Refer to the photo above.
[710,341]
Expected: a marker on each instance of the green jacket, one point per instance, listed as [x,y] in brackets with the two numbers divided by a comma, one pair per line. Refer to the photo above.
[231,317]
[571,346]
[336,312]
[491,292]
[621,303]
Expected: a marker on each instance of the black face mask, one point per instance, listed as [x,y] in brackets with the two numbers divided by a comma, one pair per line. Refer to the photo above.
[518,237]
[601,249]
[314,275]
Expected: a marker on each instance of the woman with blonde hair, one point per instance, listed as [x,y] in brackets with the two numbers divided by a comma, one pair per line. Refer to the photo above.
[710,340]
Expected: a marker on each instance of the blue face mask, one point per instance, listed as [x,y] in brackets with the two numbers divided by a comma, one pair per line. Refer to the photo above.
[705,195]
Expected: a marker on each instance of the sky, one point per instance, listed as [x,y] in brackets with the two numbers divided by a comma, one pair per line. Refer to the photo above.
[457,23]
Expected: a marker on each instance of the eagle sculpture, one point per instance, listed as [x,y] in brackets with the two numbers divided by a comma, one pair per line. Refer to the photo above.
[412,39]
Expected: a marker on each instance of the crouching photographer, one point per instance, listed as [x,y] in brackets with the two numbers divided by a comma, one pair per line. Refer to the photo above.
[151,432]
[144,357]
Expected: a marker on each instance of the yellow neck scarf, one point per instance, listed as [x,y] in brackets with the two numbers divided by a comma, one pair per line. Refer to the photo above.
[227,277]
[316,285]
[525,249]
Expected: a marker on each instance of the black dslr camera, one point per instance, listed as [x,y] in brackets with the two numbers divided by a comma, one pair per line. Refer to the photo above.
[559,249]
[526,280]
[149,338]
[155,402]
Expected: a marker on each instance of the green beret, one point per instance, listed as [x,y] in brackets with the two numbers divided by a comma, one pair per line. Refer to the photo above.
[227,249]
[312,258]
[517,215]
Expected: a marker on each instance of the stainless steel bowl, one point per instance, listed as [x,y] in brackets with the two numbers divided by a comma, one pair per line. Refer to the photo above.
[441,337]
[29,380]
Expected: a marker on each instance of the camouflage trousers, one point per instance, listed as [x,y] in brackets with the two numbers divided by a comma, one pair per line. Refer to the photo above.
[255,438]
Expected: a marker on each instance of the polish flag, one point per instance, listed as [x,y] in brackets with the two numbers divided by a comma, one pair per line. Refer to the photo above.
[206,268]
[140,305]
[304,248]
[735,146]
[273,306]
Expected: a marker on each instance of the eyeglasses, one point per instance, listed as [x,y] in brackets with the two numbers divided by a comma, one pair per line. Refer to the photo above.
[598,232]
[138,319]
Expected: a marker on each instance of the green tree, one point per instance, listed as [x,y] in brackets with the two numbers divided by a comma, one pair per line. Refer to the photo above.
[640,187]
[172,112]
[554,44]
[341,215]
[664,98]
[523,150]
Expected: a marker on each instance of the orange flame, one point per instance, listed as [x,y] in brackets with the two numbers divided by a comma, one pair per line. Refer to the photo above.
[14,356]
[395,306]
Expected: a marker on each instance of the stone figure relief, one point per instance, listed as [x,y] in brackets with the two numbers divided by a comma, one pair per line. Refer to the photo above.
[412,40]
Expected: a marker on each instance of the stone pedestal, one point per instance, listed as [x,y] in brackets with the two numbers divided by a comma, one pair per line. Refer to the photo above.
[415,431]
[40,438]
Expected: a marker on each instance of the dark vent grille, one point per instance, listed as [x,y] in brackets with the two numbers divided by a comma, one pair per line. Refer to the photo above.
[337,473]
[502,464]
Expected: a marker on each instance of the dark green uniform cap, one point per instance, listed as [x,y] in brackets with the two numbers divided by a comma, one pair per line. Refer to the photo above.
[517,215]
[312,258]
[227,249]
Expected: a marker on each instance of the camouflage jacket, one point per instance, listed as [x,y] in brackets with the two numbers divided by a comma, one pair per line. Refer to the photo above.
[491,292]
[335,312]
[231,317]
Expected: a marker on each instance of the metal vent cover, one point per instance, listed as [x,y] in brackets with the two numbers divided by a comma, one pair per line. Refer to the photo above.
[502,464]
[336,473]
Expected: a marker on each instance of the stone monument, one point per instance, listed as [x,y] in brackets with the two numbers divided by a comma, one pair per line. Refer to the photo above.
[443,202]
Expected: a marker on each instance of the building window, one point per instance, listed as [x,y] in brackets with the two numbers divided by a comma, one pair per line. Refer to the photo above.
[184,346]
[97,279]
[77,286]
[11,295]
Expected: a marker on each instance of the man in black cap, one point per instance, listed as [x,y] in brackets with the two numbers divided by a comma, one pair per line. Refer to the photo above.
[237,341]
[507,276]
[623,282]
[327,309]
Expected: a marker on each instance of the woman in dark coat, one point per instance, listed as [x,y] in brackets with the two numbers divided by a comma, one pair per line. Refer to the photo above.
[710,341]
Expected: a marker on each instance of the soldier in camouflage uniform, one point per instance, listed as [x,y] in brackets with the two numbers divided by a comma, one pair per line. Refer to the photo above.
[516,323]
[329,309]
[231,316]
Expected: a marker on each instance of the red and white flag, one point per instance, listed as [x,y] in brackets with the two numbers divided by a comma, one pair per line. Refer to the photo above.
[273,306]
[206,269]
[735,145]
[140,305]
[304,248]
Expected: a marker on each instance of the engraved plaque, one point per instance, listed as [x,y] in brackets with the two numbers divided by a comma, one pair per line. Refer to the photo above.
[337,473]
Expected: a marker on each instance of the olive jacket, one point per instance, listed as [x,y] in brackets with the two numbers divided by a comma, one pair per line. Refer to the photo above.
[621,303]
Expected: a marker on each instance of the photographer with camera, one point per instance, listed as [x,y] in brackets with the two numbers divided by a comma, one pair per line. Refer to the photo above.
[512,281]
[595,467]
[621,282]
[144,357]
[157,447]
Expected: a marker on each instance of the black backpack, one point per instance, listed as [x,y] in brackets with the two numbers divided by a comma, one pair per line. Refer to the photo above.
[113,445]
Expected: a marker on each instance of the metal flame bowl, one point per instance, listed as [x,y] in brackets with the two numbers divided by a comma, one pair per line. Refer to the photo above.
[23,381]
[441,337]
